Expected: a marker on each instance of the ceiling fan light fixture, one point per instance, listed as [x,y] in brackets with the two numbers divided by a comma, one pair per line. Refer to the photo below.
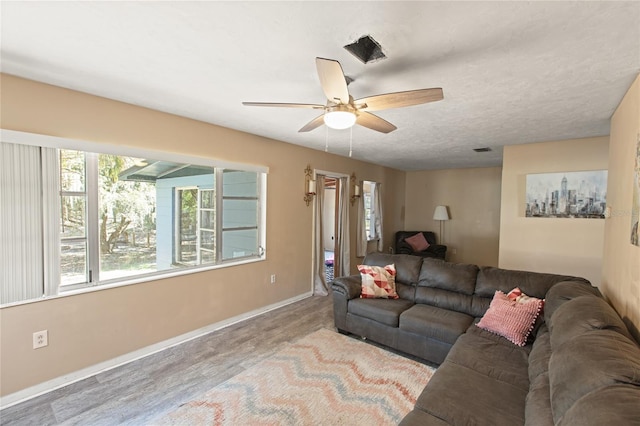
[339,119]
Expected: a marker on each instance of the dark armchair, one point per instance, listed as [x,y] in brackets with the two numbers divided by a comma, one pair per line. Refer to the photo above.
[434,250]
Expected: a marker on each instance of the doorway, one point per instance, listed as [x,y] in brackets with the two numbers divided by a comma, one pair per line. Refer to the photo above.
[331,230]
[329,220]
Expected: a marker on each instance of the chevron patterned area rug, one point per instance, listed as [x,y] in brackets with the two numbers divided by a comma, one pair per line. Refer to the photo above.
[324,378]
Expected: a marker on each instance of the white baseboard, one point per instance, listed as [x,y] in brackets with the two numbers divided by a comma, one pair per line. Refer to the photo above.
[67,379]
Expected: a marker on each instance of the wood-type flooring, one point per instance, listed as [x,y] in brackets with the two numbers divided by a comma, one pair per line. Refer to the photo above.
[146,389]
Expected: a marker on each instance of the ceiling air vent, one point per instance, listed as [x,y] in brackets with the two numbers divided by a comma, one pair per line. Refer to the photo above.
[485,149]
[366,49]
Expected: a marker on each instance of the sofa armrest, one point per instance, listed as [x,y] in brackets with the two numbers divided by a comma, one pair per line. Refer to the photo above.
[405,250]
[434,250]
[438,249]
[350,287]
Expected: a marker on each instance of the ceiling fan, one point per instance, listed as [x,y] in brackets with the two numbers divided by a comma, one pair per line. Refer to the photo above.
[342,111]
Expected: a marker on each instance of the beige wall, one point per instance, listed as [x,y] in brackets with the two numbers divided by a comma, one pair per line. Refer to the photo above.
[562,246]
[93,327]
[621,262]
[473,198]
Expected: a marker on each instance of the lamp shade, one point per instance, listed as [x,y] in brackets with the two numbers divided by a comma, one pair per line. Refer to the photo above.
[441,213]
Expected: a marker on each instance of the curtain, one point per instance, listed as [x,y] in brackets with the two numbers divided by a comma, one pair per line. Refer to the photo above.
[320,287]
[343,250]
[29,222]
[377,202]
[361,230]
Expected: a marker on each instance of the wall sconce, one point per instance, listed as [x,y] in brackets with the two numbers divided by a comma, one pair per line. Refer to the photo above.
[355,189]
[309,185]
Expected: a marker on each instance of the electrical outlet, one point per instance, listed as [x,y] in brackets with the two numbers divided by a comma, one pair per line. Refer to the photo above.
[40,339]
[273,278]
[454,251]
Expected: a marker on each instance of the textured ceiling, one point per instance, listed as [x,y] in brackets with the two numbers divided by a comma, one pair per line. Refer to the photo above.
[512,72]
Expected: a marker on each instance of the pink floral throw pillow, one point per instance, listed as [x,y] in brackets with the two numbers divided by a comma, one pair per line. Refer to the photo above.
[517,295]
[512,315]
[417,242]
[378,282]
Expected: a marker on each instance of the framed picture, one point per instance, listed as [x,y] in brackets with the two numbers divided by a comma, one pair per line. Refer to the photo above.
[567,194]
[635,202]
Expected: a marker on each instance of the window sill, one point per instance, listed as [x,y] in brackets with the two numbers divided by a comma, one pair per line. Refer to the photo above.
[157,276]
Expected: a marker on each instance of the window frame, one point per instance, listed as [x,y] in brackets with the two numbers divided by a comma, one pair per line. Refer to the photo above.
[201,229]
[25,138]
[85,238]
[368,188]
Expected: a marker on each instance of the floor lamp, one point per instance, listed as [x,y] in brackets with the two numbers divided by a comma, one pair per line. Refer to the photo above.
[441,214]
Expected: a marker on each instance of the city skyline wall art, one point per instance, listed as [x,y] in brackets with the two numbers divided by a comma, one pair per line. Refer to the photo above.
[635,202]
[567,194]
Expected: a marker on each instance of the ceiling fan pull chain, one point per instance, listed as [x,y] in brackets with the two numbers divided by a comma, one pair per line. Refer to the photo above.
[350,141]
[326,138]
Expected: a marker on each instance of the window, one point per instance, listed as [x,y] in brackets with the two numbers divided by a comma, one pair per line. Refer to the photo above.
[122,216]
[187,244]
[240,214]
[368,192]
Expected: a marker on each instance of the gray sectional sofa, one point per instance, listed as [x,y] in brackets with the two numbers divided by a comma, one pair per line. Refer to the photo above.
[581,366]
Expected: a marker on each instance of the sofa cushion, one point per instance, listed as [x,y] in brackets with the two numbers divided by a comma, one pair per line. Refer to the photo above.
[456,277]
[612,405]
[540,354]
[405,291]
[421,418]
[537,410]
[492,356]
[479,306]
[538,404]
[563,292]
[385,311]
[445,299]
[511,319]
[378,282]
[581,315]
[436,323]
[483,381]
[535,284]
[407,266]
[588,362]
[459,395]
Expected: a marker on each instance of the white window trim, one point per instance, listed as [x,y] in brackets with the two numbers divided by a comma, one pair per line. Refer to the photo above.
[24,138]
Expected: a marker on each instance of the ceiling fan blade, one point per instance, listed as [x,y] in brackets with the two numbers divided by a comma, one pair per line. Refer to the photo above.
[285,105]
[374,122]
[400,99]
[316,122]
[332,80]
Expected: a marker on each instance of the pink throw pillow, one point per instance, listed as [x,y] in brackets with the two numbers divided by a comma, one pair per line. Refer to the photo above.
[512,316]
[378,282]
[417,242]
